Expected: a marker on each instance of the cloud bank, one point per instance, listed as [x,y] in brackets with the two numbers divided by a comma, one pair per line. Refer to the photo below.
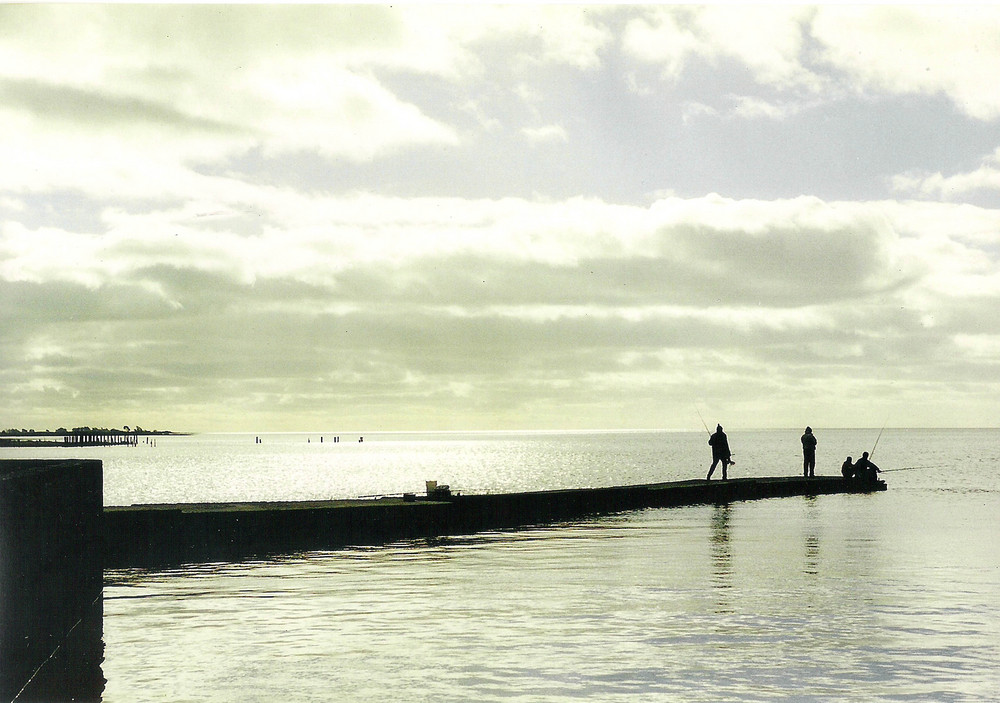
[371,217]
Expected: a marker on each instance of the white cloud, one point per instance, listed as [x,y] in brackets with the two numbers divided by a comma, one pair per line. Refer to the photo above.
[107,99]
[983,346]
[927,50]
[660,39]
[693,110]
[136,101]
[762,252]
[335,112]
[546,133]
[11,205]
[984,178]
[749,107]
[213,199]
[511,299]
[568,35]
[768,41]
[897,50]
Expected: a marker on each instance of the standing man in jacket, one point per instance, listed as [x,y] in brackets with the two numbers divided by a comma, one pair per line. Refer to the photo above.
[720,452]
[809,453]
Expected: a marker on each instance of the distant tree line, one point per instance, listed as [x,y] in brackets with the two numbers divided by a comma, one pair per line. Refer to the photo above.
[62,431]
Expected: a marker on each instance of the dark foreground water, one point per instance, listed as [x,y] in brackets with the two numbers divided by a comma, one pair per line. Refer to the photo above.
[892,596]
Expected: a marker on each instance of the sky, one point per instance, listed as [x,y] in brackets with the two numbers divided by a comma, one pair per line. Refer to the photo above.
[471,217]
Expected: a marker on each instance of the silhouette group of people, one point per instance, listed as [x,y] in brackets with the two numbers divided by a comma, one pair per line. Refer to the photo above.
[864,469]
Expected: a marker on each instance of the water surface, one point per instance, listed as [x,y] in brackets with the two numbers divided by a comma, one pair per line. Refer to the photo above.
[886,597]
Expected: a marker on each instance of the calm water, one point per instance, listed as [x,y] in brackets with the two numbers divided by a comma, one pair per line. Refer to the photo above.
[894,596]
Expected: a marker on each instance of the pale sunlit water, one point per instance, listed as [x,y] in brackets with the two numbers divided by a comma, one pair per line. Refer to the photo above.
[884,597]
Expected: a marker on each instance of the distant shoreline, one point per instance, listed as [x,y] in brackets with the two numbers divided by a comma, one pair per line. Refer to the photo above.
[96,430]
[45,438]
[6,441]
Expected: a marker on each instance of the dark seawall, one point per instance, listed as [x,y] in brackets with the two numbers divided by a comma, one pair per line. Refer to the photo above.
[161,535]
[51,580]
[56,540]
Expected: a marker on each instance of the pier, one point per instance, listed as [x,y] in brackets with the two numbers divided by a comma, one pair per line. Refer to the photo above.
[57,539]
[101,439]
[167,534]
[80,437]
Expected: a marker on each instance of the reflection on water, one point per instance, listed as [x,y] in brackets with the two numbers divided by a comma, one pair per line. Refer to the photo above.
[812,554]
[722,556]
[811,537]
[876,598]
[615,609]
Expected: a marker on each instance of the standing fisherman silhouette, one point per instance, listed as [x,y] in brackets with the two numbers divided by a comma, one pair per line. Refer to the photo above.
[720,452]
[809,453]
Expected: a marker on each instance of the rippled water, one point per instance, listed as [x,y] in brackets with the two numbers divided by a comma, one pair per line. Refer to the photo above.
[893,596]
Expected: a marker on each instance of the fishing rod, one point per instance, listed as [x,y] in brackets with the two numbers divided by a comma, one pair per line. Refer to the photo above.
[703,424]
[872,452]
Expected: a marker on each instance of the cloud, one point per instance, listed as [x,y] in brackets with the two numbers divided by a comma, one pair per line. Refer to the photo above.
[533,34]
[484,308]
[82,110]
[70,104]
[547,133]
[985,178]
[831,51]
[509,251]
[749,107]
[440,217]
[768,42]
[925,50]
[336,112]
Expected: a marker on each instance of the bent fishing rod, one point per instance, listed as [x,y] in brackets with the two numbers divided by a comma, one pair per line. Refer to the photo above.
[872,452]
[703,424]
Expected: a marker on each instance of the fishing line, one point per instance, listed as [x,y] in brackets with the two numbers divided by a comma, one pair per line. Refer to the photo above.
[914,468]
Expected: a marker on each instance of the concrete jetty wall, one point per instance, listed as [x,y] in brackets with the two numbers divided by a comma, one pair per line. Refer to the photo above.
[161,535]
[51,580]
[56,539]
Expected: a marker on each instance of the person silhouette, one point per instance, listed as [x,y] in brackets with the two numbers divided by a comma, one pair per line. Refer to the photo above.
[720,452]
[847,468]
[865,469]
[809,453]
